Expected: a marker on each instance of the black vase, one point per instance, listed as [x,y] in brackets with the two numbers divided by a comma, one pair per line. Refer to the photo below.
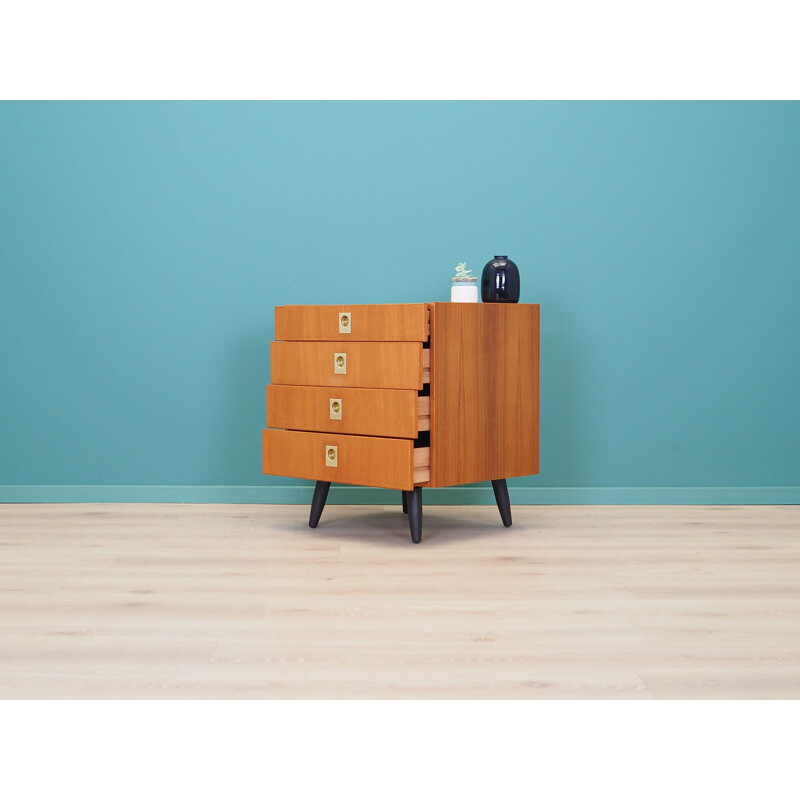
[500,281]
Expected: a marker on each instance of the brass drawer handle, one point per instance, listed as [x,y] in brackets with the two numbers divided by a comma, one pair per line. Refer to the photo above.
[340,363]
[336,408]
[332,455]
[344,322]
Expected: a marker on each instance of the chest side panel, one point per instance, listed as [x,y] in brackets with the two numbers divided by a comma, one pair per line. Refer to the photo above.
[484,392]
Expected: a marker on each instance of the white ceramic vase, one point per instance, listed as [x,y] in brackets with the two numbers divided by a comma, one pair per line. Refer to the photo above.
[464,291]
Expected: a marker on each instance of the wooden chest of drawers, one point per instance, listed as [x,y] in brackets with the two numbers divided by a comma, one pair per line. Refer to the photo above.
[404,396]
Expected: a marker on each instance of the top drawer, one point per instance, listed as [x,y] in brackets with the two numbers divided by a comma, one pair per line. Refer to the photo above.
[406,322]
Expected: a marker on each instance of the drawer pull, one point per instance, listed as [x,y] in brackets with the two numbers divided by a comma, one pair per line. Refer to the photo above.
[332,455]
[340,363]
[344,322]
[336,408]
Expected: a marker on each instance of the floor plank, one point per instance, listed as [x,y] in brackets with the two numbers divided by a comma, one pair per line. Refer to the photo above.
[245,601]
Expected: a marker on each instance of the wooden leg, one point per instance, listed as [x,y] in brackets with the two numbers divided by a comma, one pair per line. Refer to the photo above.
[405,503]
[503,503]
[318,503]
[415,514]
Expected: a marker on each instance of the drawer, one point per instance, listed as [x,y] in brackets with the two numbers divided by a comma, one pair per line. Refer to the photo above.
[407,322]
[366,412]
[370,365]
[338,458]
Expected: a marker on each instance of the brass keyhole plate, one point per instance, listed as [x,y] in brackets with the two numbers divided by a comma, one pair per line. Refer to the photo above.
[332,455]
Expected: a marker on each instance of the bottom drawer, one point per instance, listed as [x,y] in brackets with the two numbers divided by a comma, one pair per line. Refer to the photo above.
[338,458]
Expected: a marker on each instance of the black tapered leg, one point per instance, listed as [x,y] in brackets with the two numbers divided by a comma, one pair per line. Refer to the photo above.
[318,503]
[414,500]
[405,503]
[503,503]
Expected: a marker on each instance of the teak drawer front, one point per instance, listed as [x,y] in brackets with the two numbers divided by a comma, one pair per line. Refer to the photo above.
[370,365]
[407,322]
[366,412]
[363,460]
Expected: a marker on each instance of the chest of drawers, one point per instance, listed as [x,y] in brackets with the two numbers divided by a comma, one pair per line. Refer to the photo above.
[404,397]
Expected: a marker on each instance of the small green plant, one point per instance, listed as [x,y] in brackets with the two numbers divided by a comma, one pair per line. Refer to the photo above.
[464,274]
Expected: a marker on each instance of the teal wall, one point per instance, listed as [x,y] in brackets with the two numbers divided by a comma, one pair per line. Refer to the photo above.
[144,245]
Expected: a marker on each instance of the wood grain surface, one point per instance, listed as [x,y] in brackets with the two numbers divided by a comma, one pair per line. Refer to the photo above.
[366,412]
[484,392]
[364,460]
[373,365]
[370,323]
[234,601]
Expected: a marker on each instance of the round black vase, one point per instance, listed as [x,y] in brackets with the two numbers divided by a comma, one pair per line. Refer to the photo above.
[500,281]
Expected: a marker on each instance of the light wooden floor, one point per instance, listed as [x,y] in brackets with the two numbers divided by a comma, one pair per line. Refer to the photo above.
[224,601]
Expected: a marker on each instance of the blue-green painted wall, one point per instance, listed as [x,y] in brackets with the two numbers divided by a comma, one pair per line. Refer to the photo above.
[144,245]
